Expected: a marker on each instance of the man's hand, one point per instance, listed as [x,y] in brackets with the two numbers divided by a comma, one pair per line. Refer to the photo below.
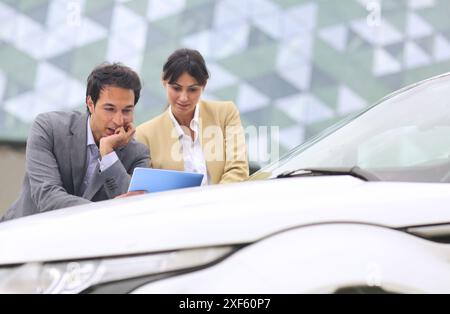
[130,194]
[121,138]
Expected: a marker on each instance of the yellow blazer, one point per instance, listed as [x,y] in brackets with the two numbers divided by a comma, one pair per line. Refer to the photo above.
[222,140]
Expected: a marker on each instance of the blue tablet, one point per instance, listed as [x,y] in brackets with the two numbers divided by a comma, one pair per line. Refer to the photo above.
[157,180]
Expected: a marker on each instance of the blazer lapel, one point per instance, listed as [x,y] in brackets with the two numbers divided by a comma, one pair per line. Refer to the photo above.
[206,137]
[78,146]
[173,148]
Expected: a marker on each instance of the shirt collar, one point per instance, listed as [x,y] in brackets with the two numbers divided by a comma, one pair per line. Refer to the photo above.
[90,136]
[194,125]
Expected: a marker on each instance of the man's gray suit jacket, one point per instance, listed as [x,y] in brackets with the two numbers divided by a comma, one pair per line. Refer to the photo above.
[56,165]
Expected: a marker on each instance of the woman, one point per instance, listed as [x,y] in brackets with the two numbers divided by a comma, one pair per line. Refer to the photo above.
[195,135]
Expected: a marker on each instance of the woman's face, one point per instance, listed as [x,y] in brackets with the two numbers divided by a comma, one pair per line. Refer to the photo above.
[183,95]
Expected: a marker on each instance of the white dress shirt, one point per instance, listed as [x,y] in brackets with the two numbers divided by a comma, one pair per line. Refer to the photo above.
[194,159]
[93,159]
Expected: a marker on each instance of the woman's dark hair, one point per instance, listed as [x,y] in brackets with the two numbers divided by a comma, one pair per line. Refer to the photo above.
[185,60]
[117,75]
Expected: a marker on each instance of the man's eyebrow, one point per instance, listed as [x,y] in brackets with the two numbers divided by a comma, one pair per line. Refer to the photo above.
[112,105]
[193,85]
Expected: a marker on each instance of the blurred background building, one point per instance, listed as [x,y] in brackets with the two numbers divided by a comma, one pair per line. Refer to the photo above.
[299,65]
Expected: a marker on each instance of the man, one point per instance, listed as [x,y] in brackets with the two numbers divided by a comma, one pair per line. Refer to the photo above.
[74,158]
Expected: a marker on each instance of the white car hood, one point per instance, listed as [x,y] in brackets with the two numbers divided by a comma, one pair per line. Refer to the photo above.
[217,215]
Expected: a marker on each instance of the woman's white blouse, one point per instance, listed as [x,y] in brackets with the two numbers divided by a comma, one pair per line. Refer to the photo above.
[194,159]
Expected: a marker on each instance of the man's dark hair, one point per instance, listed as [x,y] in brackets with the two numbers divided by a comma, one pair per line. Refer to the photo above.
[116,75]
[185,61]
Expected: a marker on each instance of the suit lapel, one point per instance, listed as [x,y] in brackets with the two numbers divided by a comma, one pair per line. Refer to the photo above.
[78,146]
[94,184]
[120,153]
[97,181]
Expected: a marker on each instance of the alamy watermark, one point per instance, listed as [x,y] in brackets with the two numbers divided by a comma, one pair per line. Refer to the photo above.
[373,275]
[73,13]
[374,17]
[230,144]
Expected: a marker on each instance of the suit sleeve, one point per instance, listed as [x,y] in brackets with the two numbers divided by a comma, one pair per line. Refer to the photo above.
[46,186]
[236,163]
[116,179]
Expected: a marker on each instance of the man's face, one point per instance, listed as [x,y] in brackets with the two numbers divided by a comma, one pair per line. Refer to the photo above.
[114,109]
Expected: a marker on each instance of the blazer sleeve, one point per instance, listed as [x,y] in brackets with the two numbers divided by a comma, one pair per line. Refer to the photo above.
[46,186]
[236,164]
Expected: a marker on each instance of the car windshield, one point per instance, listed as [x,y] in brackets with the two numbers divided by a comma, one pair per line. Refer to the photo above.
[405,137]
